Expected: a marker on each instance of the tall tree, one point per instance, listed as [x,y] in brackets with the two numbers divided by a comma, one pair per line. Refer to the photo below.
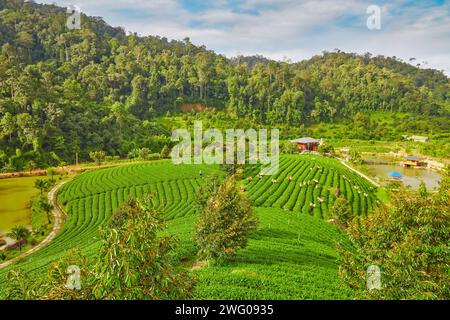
[225,221]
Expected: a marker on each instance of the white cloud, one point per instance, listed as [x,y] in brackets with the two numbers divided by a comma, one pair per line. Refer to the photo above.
[288,28]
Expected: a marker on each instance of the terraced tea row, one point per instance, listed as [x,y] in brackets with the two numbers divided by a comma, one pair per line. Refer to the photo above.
[304,184]
[288,257]
[100,181]
[310,185]
[91,199]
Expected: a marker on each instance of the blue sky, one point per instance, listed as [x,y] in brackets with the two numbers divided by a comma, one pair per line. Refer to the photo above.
[289,29]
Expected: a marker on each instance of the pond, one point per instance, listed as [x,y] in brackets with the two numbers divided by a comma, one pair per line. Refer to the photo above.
[15,196]
[411,176]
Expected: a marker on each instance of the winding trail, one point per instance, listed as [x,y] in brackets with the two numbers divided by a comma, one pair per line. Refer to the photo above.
[58,214]
[361,174]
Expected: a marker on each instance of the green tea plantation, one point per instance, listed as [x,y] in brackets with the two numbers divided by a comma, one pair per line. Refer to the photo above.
[291,255]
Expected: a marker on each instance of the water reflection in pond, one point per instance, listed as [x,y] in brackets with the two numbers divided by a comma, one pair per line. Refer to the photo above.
[411,176]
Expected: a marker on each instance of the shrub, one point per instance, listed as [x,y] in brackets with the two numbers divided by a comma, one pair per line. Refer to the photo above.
[326,149]
[98,156]
[225,221]
[165,152]
[44,184]
[134,262]
[154,156]
[288,147]
[340,211]
[33,241]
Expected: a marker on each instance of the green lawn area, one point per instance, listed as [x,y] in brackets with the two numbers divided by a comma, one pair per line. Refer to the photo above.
[290,256]
[15,196]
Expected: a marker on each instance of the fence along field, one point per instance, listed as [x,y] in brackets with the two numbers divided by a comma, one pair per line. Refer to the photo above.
[91,198]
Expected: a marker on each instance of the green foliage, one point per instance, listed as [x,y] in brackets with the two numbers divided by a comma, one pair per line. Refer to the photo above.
[52,286]
[20,234]
[46,207]
[356,157]
[165,152]
[394,186]
[98,156]
[287,147]
[224,222]
[340,211]
[289,246]
[209,188]
[308,259]
[67,93]
[44,185]
[136,263]
[91,199]
[19,287]
[326,149]
[289,256]
[41,185]
[408,240]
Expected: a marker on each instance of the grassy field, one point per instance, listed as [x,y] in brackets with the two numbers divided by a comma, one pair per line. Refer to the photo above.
[290,256]
[15,196]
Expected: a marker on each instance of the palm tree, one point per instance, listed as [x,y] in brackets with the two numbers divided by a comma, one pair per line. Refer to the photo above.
[19,233]
[46,207]
[51,172]
[41,184]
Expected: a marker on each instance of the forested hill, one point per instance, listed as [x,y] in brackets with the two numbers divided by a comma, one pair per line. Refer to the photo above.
[64,91]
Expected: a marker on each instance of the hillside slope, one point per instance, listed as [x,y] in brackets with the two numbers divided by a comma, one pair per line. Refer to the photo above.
[287,257]
[64,91]
[289,244]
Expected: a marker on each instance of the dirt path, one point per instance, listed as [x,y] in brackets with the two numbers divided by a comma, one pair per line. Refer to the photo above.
[58,216]
[199,265]
[361,174]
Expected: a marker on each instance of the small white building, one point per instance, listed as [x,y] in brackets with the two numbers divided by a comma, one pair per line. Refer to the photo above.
[422,139]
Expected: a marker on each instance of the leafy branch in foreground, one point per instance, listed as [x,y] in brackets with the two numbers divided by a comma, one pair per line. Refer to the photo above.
[408,241]
[53,286]
[135,262]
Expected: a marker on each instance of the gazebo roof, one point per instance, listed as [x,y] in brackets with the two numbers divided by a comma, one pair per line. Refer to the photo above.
[305,140]
[413,158]
[395,174]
